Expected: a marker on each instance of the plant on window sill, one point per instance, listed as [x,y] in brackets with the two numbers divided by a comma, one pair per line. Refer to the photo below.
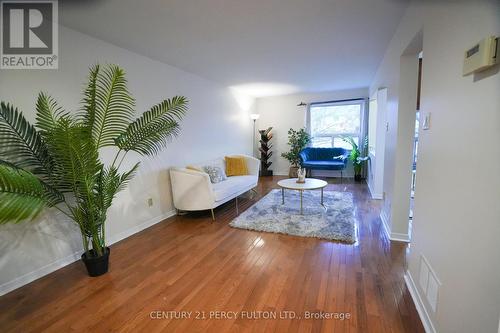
[355,155]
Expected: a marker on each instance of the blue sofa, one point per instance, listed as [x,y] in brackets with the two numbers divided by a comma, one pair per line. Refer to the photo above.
[324,159]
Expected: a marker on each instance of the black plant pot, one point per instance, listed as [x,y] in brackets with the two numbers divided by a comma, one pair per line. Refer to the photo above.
[357,178]
[96,265]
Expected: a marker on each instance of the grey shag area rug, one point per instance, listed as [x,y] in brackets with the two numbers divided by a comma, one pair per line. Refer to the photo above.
[334,221]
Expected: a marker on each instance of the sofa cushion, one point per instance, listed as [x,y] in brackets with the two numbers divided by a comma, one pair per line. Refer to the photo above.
[322,154]
[324,165]
[215,173]
[236,166]
[202,167]
[232,185]
[324,158]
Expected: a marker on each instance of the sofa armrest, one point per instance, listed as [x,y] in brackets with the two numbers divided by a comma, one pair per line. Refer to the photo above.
[303,157]
[253,165]
[192,190]
[346,157]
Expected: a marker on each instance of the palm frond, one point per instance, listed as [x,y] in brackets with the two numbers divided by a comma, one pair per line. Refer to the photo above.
[108,104]
[89,97]
[110,183]
[79,165]
[48,116]
[47,113]
[21,144]
[350,141]
[153,130]
[78,159]
[126,177]
[23,195]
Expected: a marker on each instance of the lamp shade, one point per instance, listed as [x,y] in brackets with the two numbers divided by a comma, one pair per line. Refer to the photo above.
[254,116]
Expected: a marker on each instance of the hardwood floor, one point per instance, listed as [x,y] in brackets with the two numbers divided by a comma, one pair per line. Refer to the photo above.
[194,265]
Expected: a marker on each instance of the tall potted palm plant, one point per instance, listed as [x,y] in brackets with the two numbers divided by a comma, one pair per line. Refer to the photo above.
[55,162]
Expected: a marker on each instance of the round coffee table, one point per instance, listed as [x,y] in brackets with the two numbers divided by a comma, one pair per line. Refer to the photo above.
[310,184]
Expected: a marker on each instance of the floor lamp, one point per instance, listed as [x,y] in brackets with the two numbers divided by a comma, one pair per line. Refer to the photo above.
[254,117]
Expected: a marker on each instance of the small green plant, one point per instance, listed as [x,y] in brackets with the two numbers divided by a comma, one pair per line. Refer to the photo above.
[55,162]
[355,155]
[297,140]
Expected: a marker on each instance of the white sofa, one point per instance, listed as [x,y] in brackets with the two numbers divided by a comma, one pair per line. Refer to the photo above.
[192,190]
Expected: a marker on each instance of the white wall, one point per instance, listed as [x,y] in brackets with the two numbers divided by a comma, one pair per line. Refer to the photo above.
[282,113]
[375,179]
[217,123]
[457,213]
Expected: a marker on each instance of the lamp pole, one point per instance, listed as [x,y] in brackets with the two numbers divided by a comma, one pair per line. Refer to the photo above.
[254,117]
[253,136]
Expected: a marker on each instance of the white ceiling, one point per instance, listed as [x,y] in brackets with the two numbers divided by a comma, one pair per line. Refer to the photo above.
[261,47]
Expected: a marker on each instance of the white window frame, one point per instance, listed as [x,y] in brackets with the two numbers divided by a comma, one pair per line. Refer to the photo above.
[360,102]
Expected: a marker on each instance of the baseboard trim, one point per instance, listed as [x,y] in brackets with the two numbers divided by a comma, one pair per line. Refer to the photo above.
[376,196]
[60,263]
[417,300]
[384,219]
[40,272]
[393,236]
[397,237]
[138,228]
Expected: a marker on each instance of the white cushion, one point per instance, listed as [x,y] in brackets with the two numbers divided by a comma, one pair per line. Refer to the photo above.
[228,188]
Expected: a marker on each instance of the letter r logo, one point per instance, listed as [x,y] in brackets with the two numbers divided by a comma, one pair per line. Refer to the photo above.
[27,27]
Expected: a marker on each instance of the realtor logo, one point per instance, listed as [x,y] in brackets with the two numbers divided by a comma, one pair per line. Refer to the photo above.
[28,34]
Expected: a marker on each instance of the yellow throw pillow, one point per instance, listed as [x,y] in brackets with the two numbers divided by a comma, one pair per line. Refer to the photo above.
[192,167]
[236,166]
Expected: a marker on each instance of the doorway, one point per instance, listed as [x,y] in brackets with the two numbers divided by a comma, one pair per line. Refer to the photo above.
[415,144]
[400,152]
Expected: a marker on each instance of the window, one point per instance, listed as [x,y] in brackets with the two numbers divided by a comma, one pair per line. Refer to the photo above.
[329,121]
